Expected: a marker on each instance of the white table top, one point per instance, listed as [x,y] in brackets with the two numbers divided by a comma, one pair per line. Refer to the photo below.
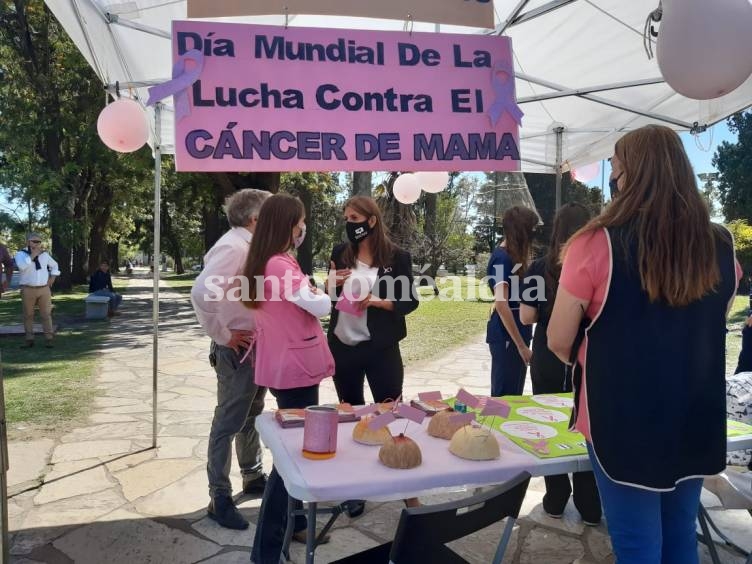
[356,473]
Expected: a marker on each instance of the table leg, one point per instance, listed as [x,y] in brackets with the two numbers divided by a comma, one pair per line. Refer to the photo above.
[707,539]
[506,535]
[311,533]
[289,529]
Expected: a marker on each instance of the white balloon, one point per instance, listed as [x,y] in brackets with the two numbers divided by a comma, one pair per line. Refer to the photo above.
[433,182]
[406,188]
[705,46]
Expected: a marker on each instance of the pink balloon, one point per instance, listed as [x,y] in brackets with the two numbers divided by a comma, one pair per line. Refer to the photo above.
[704,46]
[406,188]
[586,173]
[122,126]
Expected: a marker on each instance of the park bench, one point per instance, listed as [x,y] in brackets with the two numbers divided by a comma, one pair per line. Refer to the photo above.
[97,307]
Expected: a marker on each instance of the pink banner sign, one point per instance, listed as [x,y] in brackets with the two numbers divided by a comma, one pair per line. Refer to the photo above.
[381,421]
[427,396]
[467,398]
[303,99]
[496,407]
[412,413]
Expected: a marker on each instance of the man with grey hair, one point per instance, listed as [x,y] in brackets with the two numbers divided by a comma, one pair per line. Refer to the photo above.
[230,325]
[38,271]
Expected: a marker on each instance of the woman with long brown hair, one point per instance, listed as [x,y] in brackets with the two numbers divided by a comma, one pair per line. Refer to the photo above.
[549,374]
[291,353]
[650,280]
[507,338]
[373,281]
[373,276]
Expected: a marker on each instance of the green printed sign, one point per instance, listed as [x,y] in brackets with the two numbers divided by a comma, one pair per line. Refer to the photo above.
[737,428]
[538,424]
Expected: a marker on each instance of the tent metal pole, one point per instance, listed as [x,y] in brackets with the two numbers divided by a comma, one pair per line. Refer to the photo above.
[516,12]
[590,90]
[538,162]
[604,101]
[116,19]
[4,467]
[156,262]
[559,131]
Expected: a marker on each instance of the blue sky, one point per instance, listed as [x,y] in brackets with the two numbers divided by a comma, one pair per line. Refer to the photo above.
[700,156]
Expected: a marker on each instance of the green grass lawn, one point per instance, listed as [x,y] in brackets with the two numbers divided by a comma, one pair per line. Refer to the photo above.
[48,389]
[737,317]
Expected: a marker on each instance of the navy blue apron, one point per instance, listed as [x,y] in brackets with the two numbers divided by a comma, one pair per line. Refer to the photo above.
[656,376]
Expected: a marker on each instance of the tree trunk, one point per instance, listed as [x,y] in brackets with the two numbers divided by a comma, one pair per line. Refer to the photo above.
[362,183]
[100,211]
[113,254]
[305,251]
[430,201]
[62,254]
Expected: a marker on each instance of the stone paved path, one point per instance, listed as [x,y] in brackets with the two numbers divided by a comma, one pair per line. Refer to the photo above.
[99,494]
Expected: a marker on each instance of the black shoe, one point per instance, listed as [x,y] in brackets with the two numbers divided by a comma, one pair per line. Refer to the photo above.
[27,345]
[223,511]
[255,486]
[355,507]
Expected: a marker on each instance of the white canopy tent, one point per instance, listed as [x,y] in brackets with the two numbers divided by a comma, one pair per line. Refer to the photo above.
[581,66]
[583,77]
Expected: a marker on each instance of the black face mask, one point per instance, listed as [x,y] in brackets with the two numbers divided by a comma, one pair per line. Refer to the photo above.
[613,184]
[356,232]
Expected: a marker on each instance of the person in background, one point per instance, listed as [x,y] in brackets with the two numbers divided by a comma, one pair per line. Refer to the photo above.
[372,270]
[230,325]
[100,284]
[641,308]
[548,373]
[507,338]
[292,355]
[37,272]
[6,263]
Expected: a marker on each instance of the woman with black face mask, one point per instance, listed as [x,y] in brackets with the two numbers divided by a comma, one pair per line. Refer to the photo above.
[373,281]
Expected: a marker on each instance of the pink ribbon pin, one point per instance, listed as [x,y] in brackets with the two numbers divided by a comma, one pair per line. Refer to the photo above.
[182,79]
[504,90]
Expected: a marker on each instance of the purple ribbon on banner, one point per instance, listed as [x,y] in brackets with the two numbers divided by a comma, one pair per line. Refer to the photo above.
[182,79]
[504,90]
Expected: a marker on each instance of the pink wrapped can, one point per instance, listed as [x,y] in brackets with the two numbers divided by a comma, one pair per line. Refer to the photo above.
[320,432]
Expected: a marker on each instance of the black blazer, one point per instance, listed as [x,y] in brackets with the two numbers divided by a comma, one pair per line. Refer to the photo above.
[386,327]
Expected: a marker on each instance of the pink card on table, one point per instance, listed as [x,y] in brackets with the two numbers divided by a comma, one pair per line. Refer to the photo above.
[349,306]
[496,407]
[381,421]
[465,418]
[412,413]
[467,398]
[366,409]
[427,396]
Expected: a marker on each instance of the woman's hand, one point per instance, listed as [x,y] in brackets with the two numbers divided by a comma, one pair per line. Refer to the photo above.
[339,275]
[525,353]
[372,301]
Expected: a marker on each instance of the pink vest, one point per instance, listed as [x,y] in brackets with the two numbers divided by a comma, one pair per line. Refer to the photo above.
[291,348]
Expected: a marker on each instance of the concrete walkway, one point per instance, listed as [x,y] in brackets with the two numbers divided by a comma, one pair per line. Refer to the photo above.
[100,494]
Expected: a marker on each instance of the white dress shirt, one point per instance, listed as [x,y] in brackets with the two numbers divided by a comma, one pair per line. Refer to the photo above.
[29,275]
[223,261]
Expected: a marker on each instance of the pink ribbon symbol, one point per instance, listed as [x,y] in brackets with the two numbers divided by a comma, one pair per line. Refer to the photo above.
[182,79]
[502,80]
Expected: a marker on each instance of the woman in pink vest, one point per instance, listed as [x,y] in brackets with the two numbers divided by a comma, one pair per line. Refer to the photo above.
[292,355]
